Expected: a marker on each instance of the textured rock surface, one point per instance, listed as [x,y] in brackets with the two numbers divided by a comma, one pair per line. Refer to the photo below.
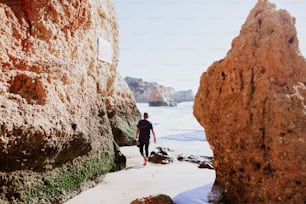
[157,199]
[122,113]
[253,107]
[61,107]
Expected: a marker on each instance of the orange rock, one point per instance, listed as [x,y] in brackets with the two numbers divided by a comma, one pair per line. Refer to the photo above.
[60,105]
[252,105]
[157,199]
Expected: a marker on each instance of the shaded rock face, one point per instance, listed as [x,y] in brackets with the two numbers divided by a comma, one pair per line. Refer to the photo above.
[122,113]
[60,104]
[252,106]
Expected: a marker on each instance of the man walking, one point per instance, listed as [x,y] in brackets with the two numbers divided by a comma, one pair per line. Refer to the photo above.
[144,128]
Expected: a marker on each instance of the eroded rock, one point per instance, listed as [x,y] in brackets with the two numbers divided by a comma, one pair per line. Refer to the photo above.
[60,102]
[157,199]
[252,104]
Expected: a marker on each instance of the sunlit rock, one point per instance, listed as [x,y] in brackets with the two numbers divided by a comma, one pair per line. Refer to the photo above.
[62,101]
[160,96]
[252,105]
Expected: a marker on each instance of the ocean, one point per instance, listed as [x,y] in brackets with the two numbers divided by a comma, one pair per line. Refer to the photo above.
[177,129]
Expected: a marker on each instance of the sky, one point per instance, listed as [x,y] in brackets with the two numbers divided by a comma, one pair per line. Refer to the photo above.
[172,42]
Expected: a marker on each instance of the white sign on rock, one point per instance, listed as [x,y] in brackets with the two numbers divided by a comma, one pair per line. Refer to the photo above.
[105,50]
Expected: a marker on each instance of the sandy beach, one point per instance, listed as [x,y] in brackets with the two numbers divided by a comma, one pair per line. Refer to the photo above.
[137,181]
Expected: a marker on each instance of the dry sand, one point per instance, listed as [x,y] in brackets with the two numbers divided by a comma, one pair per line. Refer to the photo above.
[137,181]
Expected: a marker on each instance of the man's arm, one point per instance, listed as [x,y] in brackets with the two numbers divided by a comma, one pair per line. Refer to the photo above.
[137,133]
[153,133]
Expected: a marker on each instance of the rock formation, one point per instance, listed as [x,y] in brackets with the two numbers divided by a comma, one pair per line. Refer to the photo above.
[202,161]
[157,199]
[62,102]
[160,96]
[142,90]
[162,155]
[122,113]
[252,105]
[182,96]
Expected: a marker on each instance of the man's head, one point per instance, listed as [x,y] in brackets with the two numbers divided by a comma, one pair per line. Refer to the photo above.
[145,115]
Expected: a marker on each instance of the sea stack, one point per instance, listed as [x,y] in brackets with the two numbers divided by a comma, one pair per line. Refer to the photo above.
[252,105]
[62,103]
[160,96]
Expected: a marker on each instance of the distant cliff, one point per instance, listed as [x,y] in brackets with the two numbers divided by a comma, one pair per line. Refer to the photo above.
[155,94]
[140,89]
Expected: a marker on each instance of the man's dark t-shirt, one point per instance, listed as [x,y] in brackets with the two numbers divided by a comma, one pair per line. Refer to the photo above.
[144,127]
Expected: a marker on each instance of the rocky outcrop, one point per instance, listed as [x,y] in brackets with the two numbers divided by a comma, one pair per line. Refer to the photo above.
[122,113]
[252,104]
[160,96]
[165,96]
[140,89]
[157,199]
[204,162]
[182,96]
[161,156]
[62,102]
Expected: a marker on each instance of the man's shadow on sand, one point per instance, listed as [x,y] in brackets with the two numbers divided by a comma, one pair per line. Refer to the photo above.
[135,167]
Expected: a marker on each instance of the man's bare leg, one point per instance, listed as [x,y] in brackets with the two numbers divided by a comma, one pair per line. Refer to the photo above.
[145,160]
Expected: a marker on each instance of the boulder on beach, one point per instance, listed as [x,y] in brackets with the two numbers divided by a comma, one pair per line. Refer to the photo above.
[253,108]
[204,162]
[157,199]
[62,101]
[161,156]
